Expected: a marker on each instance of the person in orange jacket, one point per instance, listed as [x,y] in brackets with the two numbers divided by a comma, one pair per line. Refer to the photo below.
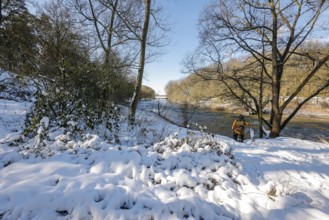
[238,128]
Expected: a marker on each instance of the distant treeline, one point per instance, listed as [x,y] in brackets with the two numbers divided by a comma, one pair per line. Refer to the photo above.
[204,86]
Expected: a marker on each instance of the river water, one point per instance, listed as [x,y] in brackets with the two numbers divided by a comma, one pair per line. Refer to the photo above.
[220,122]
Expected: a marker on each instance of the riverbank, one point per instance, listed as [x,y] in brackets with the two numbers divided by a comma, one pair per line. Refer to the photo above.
[219,121]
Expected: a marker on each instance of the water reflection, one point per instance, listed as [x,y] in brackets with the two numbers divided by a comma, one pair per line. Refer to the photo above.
[220,122]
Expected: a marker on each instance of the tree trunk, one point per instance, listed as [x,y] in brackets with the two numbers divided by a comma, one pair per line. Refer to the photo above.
[134,101]
[111,30]
[276,113]
[260,111]
[0,12]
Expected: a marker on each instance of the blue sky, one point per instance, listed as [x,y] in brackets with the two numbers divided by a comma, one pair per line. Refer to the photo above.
[183,15]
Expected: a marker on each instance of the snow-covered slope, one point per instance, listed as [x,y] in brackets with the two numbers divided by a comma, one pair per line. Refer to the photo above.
[159,171]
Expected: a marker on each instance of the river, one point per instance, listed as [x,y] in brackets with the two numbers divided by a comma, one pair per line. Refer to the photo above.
[220,122]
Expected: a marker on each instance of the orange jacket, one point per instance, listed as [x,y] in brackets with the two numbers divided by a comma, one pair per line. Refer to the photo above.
[238,126]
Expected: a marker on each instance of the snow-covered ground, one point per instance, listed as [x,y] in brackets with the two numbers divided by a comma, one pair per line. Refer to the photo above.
[158,171]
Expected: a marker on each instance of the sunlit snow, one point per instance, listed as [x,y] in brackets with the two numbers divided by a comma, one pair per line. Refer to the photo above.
[158,171]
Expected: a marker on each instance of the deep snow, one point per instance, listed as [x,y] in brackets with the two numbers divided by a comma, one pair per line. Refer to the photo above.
[158,171]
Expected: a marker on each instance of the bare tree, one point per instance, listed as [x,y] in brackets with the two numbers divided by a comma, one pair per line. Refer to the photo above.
[124,33]
[237,28]
[104,26]
[143,40]
[103,17]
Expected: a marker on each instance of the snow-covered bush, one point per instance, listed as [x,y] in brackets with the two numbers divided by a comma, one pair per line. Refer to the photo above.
[42,134]
[112,117]
[84,115]
[194,142]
